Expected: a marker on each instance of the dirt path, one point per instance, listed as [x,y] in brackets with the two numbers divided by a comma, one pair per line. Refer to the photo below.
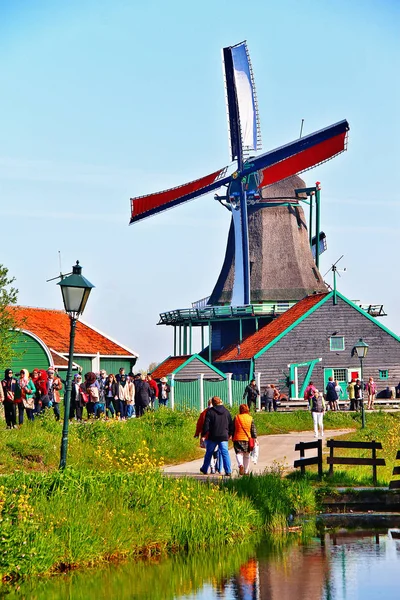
[274,450]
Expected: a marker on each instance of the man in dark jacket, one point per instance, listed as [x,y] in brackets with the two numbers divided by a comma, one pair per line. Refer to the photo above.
[218,425]
[252,392]
[142,395]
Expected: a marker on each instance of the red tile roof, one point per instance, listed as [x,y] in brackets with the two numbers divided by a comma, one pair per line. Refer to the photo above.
[258,340]
[169,366]
[53,328]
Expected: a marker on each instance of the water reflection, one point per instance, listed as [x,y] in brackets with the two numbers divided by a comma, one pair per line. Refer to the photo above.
[344,565]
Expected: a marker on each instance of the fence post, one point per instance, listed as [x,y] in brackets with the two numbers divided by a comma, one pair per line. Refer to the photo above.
[229,383]
[172,393]
[320,472]
[302,455]
[201,383]
[374,477]
[258,379]
[331,456]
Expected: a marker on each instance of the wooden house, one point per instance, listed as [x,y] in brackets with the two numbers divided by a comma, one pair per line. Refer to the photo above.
[314,340]
[43,340]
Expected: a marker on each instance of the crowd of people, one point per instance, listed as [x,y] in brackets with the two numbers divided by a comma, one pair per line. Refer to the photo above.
[120,396]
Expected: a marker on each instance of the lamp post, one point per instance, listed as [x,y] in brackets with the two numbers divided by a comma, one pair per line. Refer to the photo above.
[361,349]
[75,292]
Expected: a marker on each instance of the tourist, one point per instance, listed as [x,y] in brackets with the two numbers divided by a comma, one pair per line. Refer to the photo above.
[142,395]
[317,407]
[24,396]
[267,398]
[53,388]
[119,374]
[92,389]
[130,402]
[359,394]
[276,397]
[123,396]
[111,396]
[163,392]
[102,379]
[197,433]
[309,389]
[77,401]
[8,390]
[352,395]
[339,393]
[218,425]
[244,438]
[331,394]
[153,389]
[371,391]
[251,393]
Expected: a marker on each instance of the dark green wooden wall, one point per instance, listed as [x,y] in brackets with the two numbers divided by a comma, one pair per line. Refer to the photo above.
[29,354]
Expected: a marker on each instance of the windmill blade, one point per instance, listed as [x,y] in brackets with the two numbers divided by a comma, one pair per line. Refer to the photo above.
[300,155]
[151,204]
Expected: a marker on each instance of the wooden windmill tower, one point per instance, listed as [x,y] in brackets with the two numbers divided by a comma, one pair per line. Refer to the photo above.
[268,257]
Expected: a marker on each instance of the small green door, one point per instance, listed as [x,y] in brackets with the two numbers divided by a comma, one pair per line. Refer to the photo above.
[340,375]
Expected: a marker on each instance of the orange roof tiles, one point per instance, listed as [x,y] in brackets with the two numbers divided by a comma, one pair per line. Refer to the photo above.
[53,328]
[169,366]
[258,340]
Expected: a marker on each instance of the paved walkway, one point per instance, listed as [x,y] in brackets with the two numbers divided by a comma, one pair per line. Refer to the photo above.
[275,450]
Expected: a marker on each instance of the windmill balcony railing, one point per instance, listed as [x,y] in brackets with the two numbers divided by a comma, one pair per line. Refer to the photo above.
[202,315]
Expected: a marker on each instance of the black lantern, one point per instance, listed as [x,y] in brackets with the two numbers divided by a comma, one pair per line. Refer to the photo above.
[75,290]
[361,349]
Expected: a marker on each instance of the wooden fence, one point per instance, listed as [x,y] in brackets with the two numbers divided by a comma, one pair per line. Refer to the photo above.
[332,460]
[374,462]
[303,462]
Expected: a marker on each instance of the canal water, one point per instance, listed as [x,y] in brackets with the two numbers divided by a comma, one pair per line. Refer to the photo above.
[346,565]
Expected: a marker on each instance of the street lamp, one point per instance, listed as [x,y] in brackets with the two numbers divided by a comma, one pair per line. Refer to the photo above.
[361,349]
[75,291]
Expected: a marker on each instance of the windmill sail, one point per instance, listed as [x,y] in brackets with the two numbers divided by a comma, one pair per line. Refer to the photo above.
[151,204]
[241,99]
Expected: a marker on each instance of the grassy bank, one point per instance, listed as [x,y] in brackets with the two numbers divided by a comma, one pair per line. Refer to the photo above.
[57,521]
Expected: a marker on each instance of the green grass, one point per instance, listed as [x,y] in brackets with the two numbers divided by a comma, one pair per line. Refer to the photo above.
[56,521]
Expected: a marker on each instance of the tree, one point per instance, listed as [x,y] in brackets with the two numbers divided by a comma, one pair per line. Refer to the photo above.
[8,323]
[152,366]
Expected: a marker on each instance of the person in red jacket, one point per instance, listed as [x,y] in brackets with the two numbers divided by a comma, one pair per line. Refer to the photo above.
[154,390]
[199,427]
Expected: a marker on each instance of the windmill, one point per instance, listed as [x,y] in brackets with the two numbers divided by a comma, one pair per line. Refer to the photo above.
[255,183]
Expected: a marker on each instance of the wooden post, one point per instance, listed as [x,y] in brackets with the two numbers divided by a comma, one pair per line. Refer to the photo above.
[201,383]
[302,455]
[374,477]
[331,456]
[229,383]
[320,472]
[258,379]
[172,392]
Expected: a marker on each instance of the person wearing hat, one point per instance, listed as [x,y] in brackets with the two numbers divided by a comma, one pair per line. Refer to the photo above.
[163,392]
[54,386]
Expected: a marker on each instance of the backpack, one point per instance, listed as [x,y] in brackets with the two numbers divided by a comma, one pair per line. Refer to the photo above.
[317,405]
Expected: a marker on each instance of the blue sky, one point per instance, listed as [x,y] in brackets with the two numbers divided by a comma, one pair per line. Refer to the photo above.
[102,100]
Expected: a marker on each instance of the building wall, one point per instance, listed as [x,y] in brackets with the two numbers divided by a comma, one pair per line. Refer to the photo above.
[112,365]
[29,354]
[194,368]
[310,340]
